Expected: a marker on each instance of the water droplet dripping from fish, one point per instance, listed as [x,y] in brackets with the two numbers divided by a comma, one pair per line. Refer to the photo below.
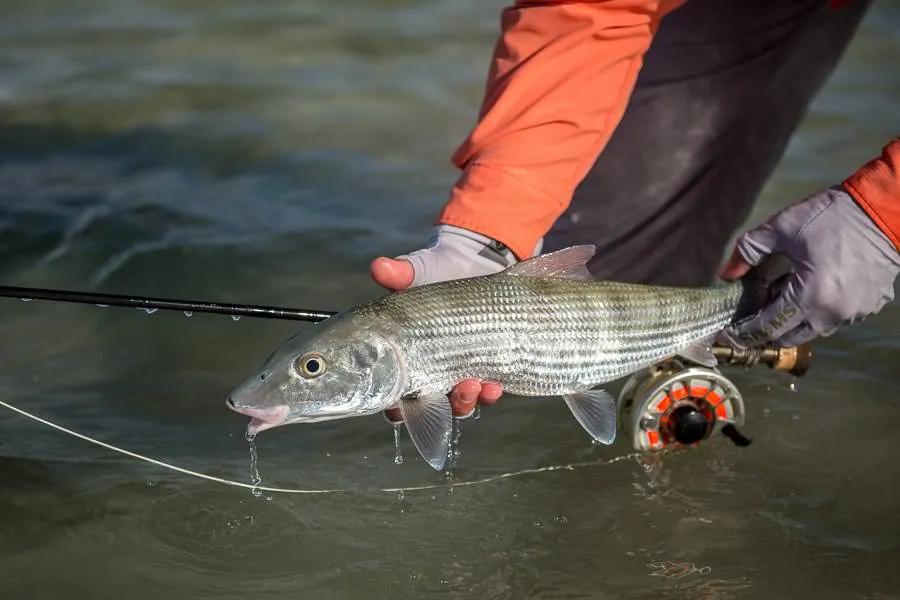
[398,455]
[255,478]
[188,314]
[25,299]
[453,451]
[235,317]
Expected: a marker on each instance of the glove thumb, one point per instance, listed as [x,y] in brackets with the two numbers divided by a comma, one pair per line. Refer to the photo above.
[749,250]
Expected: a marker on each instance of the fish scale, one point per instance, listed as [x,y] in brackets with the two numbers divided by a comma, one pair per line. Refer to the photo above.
[545,335]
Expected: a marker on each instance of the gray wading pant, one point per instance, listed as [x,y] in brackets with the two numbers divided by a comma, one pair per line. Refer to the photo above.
[724,84]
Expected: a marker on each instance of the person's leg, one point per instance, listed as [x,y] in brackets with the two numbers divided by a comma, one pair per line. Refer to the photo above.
[723,87]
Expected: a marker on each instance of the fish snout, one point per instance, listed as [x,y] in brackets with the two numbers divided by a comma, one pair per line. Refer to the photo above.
[260,418]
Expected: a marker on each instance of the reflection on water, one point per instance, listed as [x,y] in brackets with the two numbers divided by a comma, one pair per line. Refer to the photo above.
[264,153]
[676,570]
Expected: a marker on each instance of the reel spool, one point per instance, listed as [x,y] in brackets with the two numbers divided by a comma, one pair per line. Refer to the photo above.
[676,404]
[672,404]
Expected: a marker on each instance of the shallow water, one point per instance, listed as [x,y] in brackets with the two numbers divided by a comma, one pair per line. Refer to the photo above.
[263,153]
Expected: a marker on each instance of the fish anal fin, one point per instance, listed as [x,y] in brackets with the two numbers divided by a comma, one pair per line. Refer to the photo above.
[700,353]
[595,410]
[568,263]
[429,420]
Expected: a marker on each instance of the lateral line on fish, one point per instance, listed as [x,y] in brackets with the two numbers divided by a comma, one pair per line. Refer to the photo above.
[415,488]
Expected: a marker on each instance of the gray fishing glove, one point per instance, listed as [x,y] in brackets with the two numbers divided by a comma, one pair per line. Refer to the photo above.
[455,253]
[844,269]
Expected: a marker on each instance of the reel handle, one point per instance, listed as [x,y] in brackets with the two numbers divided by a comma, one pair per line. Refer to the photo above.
[738,438]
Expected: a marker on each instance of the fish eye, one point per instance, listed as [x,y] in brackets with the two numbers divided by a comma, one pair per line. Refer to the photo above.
[310,366]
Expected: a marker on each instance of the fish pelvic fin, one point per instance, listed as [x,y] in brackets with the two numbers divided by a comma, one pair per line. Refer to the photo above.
[568,263]
[429,421]
[595,410]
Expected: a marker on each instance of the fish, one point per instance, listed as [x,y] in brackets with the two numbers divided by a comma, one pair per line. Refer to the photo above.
[543,327]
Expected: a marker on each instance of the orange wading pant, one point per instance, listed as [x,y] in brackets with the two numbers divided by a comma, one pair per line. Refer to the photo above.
[659,121]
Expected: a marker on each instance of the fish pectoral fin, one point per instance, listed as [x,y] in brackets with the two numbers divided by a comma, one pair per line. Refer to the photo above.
[429,421]
[700,353]
[595,410]
[568,263]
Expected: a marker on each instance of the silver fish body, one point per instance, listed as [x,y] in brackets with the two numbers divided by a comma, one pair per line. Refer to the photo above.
[544,336]
[540,328]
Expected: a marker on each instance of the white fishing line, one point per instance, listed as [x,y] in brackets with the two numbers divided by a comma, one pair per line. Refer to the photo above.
[159,463]
[417,488]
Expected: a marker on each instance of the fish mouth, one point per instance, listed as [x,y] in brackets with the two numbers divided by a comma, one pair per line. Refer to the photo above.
[257,425]
[260,418]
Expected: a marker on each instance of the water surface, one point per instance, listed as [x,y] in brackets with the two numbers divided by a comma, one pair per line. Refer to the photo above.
[264,153]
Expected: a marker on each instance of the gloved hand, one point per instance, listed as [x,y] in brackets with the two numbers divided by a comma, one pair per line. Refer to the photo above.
[844,270]
[452,253]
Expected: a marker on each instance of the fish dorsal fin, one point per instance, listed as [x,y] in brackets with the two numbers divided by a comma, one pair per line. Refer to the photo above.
[568,263]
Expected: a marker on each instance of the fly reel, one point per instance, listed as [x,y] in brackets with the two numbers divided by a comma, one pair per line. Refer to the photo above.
[676,403]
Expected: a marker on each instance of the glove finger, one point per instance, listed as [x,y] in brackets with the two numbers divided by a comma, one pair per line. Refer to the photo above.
[455,253]
[781,316]
[443,264]
[424,268]
[758,243]
[799,335]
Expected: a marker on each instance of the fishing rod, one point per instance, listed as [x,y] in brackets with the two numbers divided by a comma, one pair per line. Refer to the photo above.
[152,304]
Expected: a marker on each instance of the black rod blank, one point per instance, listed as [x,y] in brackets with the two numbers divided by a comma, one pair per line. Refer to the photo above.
[145,303]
